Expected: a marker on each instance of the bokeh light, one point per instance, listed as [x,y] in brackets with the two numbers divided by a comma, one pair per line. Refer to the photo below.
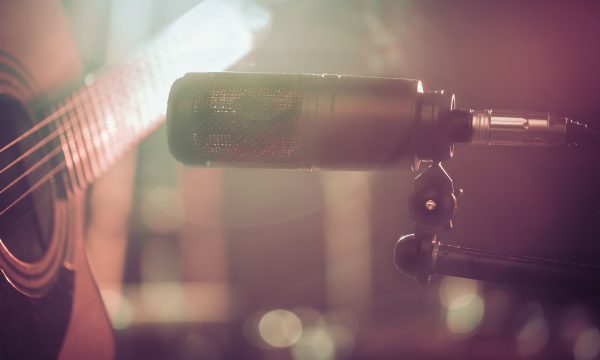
[280,328]
[587,346]
[452,290]
[464,314]
[533,335]
[464,307]
[325,336]
[316,344]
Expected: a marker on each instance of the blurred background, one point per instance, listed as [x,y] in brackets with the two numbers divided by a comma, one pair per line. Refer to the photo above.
[275,264]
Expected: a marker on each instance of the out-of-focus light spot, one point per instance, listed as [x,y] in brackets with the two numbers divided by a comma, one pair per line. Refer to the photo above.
[160,210]
[119,310]
[317,343]
[464,314]
[218,49]
[325,336]
[587,346]
[280,328]
[534,334]
[453,290]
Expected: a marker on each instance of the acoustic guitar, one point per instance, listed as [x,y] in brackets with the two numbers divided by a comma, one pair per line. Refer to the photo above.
[53,147]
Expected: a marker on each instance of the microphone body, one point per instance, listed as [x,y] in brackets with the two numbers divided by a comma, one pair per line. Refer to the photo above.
[305,121]
[337,122]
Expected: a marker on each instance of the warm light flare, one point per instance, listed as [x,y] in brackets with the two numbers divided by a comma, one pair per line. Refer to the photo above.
[280,328]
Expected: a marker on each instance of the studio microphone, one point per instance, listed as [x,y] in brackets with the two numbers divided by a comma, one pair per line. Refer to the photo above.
[311,121]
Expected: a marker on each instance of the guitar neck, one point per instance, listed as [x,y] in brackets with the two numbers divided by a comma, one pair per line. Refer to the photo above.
[120,105]
[110,114]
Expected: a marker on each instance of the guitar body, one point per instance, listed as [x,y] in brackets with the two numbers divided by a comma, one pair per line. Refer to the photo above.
[49,305]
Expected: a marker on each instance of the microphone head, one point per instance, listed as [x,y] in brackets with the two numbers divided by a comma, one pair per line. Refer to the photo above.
[303,121]
[234,118]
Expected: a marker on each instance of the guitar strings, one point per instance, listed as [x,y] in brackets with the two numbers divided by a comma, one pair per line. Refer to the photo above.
[60,113]
[62,127]
[75,149]
[37,127]
[71,138]
[62,110]
[102,82]
[46,158]
[52,136]
[63,124]
[35,186]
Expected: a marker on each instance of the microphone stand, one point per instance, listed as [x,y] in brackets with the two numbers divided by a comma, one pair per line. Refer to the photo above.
[432,206]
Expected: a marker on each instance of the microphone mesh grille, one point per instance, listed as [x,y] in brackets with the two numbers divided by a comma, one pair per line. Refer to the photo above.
[247,119]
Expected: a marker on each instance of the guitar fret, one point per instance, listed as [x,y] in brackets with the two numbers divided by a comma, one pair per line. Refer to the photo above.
[115,116]
[100,123]
[108,118]
[77,165]
[115,98]
[85,165]
[73,182]
[96,113]
[124,96]
[83,113]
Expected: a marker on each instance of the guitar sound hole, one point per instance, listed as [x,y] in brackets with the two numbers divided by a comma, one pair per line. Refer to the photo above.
[25,222]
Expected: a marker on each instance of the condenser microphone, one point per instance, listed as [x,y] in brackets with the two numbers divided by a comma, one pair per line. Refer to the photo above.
[311,121]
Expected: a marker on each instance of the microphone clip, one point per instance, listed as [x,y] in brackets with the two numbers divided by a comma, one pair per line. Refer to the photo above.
[431,205]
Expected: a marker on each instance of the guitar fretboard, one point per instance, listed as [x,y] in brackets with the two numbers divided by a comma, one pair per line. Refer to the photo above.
[120,105]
